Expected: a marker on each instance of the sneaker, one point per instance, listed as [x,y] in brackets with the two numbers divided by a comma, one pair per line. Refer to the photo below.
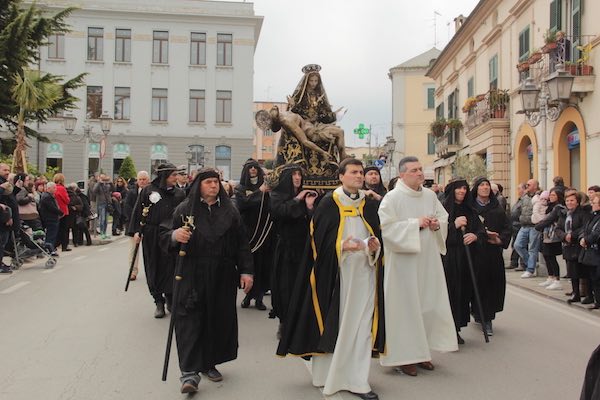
[527,274]
[547,282]
[555,285]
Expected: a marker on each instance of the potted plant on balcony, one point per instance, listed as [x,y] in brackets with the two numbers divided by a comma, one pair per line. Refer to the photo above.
[453,123]
[550,40]
[536,55]
[584,67]
[499,100]
[469,105]
[523,66]
[438,127]
[571,67]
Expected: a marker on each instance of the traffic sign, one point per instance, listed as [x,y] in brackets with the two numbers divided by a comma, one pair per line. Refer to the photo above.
[379,163]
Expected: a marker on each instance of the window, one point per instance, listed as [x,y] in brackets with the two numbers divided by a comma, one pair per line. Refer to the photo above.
[94,102]
[160,47]
[494,72]
[223,106]
[439,111]
[430,98]
[123,45]
[223,161]
[452,104]
[576,23]
[159,104]
[197,101]
[555,15]
[470,87]
[122,103]
[224,49]
[198,49]
[430,144]
[524,44]
[95,44]
[56,46]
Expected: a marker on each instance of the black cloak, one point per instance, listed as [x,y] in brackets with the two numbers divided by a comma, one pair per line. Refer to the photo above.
[456,269]
[158,265]
[315,302]
[380,188]
[291,220]
[253,206]
[218,252]
[491,278]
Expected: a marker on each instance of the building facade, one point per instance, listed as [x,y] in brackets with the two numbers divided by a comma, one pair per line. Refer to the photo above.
[413,109]
[176,76]
[478,76]
[265,141]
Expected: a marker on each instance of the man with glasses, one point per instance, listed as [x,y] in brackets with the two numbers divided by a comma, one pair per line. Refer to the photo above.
[527,242]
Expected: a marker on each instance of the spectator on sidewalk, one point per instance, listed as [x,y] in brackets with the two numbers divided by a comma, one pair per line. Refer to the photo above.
[26,200]
[559,184]
[62,199]
[116,213]
[527,243]
[75,210]
[50,215]
[515,213]
[81,229]
[102,192]
[551,244]
[590,242]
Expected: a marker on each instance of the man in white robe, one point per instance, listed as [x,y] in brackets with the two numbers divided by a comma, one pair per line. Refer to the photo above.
[418,318]
[342,298]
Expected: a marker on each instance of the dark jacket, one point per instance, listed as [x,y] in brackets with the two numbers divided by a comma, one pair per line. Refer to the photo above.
[591,235]
[49,211]
[571,249]
[10,200]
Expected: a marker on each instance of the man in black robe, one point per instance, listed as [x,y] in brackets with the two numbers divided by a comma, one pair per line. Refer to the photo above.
[491,279]
[374,187]
[160,197]
[252,201]
[458,279]
[291,208]
[218,258]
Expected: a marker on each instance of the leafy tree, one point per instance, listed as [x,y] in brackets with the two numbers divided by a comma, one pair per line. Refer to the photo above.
[470,167]
[127,169]
[23,30]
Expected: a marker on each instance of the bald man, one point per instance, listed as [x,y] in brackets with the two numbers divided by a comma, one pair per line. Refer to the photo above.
[143,179]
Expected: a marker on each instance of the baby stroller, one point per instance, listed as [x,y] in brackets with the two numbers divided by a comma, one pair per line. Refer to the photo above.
[28,243]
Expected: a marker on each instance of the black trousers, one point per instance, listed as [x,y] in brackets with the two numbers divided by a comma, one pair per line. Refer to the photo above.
[64,226]
[552,265]
[579,273]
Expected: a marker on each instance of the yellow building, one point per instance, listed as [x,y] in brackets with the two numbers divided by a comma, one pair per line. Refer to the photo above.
[480,65]
[413,109]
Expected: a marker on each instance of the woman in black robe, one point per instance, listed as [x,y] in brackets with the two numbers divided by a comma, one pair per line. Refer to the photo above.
[491,278]
[291,207]
[458,279]
[218,257]
[252,201]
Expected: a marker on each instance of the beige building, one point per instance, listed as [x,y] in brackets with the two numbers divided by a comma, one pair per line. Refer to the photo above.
[479,65]
[413,109]
[265,141]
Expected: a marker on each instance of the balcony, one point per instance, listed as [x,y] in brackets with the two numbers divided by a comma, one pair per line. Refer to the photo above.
[448,144]
[573,53]
[491,105]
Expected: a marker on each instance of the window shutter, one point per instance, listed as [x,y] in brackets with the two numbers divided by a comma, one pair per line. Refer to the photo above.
[555,15]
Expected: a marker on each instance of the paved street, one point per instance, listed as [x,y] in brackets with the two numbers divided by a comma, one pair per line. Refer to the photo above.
[73,333]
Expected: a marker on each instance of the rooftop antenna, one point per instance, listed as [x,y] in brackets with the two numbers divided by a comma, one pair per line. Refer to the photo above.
[435,15]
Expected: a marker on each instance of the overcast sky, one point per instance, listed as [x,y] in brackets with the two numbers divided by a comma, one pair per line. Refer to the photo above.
[356,42]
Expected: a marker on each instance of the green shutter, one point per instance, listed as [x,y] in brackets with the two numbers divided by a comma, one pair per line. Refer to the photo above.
[524,44]
[576,16]
[470,88]
[430,98]
[555,15]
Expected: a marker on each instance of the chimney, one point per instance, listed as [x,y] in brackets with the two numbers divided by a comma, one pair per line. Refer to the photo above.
[458,22]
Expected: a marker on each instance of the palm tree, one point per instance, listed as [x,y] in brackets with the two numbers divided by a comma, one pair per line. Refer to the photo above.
[32,92]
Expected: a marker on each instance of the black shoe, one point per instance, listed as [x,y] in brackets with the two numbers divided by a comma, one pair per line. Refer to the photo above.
[488,328]
[575,299]
[67,249]
[520,269]
[260,306]
[189,386]
[214,375]
[246,302]
[160,310]
[587,300]
[367,396]
[594,307]
[459,339]
[510,267]
[5,270]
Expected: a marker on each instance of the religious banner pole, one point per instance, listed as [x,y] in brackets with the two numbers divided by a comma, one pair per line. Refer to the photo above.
[475,289]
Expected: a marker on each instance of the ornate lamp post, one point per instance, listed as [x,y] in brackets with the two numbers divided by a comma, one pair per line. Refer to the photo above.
[87,134]
[546,102]
[390,146]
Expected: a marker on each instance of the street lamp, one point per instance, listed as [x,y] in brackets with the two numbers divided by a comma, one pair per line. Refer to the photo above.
[390,146]
[87,134]
[546,102]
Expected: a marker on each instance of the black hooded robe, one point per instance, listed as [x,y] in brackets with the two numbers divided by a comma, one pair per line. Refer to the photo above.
[158,265]
[491,278]
[456,269]
[291,220]
[316,295]
[218,253]
[253,206]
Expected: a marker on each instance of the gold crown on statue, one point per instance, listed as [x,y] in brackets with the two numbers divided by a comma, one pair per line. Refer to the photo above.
[311,68]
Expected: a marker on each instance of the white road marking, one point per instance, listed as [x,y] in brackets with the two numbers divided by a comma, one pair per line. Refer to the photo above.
[591,320]
[15,287]
[308,366]
[79,258]
[104,248]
